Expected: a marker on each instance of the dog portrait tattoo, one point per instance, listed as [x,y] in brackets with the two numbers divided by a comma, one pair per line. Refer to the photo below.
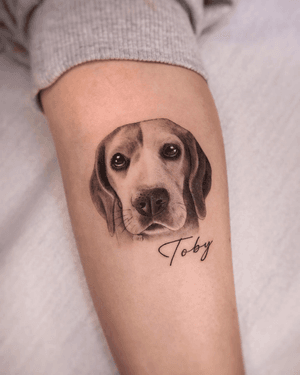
[150,180]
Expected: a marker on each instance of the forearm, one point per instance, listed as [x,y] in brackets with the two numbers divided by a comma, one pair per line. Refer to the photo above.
[163,311]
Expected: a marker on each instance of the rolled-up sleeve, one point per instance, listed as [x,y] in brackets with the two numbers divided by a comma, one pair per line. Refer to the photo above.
[60,34]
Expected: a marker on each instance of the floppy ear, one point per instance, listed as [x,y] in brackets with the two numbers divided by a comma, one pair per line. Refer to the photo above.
[102,193]
[200,177]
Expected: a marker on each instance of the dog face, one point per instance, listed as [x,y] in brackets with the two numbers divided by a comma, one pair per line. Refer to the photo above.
[150,178]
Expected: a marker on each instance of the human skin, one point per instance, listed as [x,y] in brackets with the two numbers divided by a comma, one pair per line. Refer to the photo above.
[157,318]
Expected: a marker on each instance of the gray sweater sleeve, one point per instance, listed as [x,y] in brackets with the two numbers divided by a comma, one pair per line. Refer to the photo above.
[61,34]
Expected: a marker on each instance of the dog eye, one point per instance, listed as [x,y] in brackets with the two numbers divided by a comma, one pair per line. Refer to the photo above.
[170,151]
[119,162]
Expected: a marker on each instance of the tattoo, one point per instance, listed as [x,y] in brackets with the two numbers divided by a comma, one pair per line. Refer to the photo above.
[173,248]
[150,181]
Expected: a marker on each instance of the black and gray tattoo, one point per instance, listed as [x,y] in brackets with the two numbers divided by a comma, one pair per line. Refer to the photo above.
[150,180]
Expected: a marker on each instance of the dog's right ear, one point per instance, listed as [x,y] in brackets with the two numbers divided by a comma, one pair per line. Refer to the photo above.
[102,193]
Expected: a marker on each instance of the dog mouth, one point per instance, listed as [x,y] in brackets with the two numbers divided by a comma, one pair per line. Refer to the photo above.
[155,228]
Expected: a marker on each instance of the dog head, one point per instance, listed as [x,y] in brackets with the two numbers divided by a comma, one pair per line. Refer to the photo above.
[150,178]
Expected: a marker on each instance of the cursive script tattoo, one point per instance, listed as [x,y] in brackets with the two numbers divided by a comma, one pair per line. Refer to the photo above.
[174,247]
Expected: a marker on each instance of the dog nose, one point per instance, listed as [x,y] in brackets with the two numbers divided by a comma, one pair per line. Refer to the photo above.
[152,202]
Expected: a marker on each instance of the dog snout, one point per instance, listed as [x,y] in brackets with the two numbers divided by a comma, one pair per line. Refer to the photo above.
[152,202]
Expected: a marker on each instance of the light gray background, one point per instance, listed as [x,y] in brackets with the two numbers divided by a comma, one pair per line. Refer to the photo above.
[47,321]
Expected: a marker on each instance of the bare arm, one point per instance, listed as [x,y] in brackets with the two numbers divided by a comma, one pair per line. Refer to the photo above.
[149,212]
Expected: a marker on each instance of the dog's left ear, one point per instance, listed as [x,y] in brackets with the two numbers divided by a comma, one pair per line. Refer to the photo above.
[102,193]
[200,177]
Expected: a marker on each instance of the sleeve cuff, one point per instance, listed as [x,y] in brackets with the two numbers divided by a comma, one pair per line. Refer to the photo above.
[66,33]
